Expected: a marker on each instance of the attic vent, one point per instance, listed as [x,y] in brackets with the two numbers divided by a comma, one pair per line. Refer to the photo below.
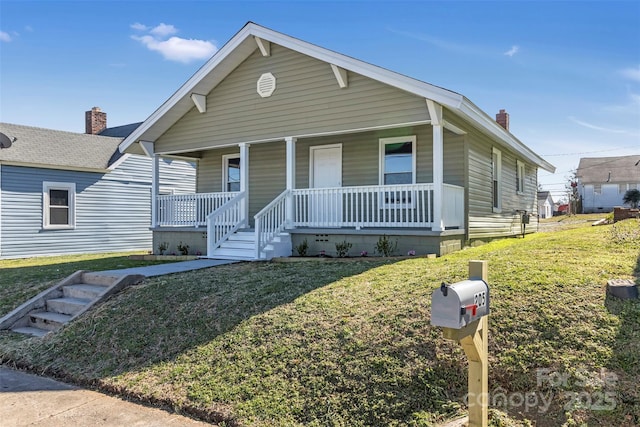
[266,85]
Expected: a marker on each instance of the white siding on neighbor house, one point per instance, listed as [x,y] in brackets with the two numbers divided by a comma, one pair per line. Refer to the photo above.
[604,197]
[307,100]
[112,211]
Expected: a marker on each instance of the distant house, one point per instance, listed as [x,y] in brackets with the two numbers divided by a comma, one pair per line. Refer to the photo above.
[545,204]
[603,181]
[296,143]
[67,193]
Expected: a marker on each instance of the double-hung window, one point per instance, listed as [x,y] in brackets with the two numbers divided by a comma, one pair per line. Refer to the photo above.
[231,172]
[496,164]
[520,177]
[58,205]
[398,166]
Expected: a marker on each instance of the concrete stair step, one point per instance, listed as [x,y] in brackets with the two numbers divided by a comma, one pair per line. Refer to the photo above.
[83,291]
[98,279]
[28,330]
[67,305]
[49,321]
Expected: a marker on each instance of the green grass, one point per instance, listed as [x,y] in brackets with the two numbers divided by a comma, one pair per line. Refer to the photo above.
[20,279]
[350,344]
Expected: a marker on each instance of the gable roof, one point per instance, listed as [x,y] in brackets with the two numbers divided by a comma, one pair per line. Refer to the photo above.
[244,43]
[623,169]
[55,149]
[544,195]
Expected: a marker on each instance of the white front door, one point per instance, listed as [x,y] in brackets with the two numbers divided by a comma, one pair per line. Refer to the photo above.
[326,172]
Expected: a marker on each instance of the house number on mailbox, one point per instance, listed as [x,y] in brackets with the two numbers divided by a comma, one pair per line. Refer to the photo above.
[480,299]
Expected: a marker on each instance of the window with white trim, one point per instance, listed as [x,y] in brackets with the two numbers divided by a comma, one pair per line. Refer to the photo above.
[520,177]
[58,205]
[231,172]
[496,176]
[397,167]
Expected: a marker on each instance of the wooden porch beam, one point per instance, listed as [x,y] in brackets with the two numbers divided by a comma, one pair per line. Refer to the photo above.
[200,102]
[148,148]
[291,180]
[264,46]
[244,179]
[341,76]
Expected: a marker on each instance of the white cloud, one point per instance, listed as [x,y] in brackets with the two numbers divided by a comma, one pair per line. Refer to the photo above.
[178,49]
[139,27]
[163,30]
[600,128]
[631,73]
[5,37]
[514,49]
[28,28]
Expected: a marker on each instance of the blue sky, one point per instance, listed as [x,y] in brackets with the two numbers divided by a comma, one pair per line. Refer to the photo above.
[568,73]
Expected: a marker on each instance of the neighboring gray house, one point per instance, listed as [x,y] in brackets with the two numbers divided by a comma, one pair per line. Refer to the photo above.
[298,143]
[67,193]
[602,181]
[545,204]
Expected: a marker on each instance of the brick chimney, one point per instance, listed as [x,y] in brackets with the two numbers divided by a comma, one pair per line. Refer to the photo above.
[95,121]
[503,119]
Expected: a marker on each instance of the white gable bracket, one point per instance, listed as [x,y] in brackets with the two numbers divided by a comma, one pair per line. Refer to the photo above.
[200,102]
[147,147]
[435,112]
[341,76]
[264,46]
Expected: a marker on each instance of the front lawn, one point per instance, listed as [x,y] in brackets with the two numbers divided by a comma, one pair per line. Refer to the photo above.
[350,343]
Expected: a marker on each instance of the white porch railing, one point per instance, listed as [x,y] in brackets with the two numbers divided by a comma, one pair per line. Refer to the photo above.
[225,221]
[376,206]
[270,221]
[189,210]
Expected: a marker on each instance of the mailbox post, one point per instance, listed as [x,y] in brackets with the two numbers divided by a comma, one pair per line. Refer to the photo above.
[462,309]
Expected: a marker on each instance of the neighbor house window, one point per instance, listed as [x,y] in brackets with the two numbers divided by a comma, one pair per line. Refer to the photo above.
[597,189]
[519,177]
[231,172]
[496,164]
[397,166]
[58,205]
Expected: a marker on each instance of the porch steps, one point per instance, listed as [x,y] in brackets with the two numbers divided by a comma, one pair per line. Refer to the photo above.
[242,246]
[57,306]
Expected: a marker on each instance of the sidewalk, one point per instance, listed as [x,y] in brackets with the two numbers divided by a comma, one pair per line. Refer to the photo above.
[30,400]
[168,268]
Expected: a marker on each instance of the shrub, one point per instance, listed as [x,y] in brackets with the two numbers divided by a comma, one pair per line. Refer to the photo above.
[183,248]
[162,247]
[342,249]
[385,246]
[302,248]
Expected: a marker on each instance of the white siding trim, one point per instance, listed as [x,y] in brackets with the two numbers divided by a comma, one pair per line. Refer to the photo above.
[70,187]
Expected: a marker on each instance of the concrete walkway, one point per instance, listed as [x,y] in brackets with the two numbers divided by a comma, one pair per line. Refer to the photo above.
[30,400]
[168,268]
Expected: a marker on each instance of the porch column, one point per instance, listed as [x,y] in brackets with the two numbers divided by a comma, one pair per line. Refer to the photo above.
[149,150]
[244,180]
[435,113]
[291,180]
